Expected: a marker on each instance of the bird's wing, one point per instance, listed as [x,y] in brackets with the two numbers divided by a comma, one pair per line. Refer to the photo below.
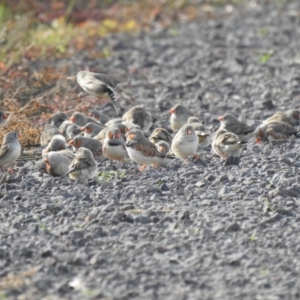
[4,150]
[229,139]
[147,149]
[111,80]
[112,96]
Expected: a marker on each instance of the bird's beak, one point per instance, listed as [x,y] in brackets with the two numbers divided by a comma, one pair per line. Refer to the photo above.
[19,135]
[257,140]
[71,142]
[221,118]
[5,116]
[82,128]
[189,132]
[172,111]
[117,135]
[72,119]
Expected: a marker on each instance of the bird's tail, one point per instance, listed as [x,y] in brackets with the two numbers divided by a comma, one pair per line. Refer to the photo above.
[112,96]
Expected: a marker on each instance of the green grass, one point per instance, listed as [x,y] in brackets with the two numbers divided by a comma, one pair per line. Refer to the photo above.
[265,57]
[252,237]
[263,31]
[110,174]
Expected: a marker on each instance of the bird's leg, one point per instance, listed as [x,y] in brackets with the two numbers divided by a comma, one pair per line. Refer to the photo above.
[196,157]
[142,168]
[10,170]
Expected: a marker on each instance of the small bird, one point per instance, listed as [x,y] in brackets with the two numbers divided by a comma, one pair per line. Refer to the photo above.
[140,116]
[69,130]
[91,129]
[114,145]
[58,142]
[83,166]
[130,125]
[179,116]
[160,134]
[185,142]
[3,117]
[141,150]
[97,84]
[94,145]
[232,124]
[101,135]
[57,119]
[164,148]
[292,117]
[10,150]
[49,131]
[275,131]
[201,131]
[203,138]
[113,122]
[58,162]
[81,120]
[99,116]
[226,144]
[193,120]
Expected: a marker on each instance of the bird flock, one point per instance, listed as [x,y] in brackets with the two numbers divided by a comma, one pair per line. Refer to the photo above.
[74,146]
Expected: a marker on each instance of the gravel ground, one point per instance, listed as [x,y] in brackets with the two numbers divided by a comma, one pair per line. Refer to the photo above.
[190,231]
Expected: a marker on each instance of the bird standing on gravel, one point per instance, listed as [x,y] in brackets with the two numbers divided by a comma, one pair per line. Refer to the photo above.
[97,84]
[201,131]
[99,116]
[141,150]
[10,150]
[48,133]
[179,116]
[292,117]
[57,163]
[275,131]
[94,145]
[81,119]
[139,116]
[58,142]
[114,145]
[164,148]
[83,166]
[232,124]
[57,119]
[160,134]
[185,142]
[69,130]
[226,144]
[91,129]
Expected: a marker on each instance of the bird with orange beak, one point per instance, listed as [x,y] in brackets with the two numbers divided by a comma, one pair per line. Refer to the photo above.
[58,162]
[91,129]
[271,131]
[94,145]
[99,116]
[292,117]
[114,145]
[232,124]
[164,148]
[179,116]
[141,150]
[226,144]
[160,134]
[81,119]
[185,142]
[58,142]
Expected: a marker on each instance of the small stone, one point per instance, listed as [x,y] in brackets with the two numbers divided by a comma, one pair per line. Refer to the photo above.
[232,227]
[164,188]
